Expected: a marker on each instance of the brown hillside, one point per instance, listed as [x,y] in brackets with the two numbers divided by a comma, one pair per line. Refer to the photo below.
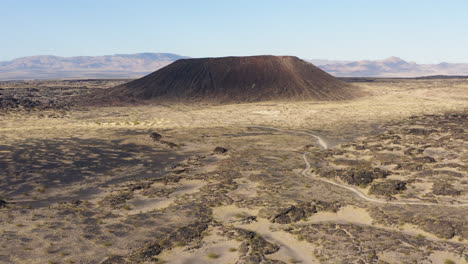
[238,79]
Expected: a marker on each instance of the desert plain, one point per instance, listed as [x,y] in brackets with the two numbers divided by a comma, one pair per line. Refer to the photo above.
[378,179]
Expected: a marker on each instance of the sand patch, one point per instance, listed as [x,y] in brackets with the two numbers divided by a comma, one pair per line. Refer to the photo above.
[215,249]
[141,204]
[245,189]
[347,214]
[291,250]
[267,112]
[442,256]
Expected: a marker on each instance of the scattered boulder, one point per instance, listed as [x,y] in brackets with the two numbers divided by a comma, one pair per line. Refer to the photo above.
[3,203]
[248,220]
[327,206]
[180,171]
[255,243]
[171,145]
[139,186]
[147,253]
[219,150]
[309,147]
[425,159]
[285,215]
[388,188]
[294,213]
[420,131]
[76,202]
[114,260]
[155,136]
[413,151]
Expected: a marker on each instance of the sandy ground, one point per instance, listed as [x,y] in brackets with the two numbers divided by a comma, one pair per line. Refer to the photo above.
[141,204]
[116,153]
[216,249]
[385,102]
[291,250]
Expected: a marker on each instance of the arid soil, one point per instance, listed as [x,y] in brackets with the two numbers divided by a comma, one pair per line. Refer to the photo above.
[201,183]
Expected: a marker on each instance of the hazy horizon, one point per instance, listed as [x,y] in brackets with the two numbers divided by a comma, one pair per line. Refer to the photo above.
[155,52]
[419,31]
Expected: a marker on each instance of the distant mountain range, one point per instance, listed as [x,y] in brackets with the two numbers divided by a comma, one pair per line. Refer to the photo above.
[391,67]
[140,64]
[110,66]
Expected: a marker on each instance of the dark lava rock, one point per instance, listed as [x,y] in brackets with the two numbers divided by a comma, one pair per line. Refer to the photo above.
[257,258]
[442,229]
[255,243]
[170,144]
[444,188]
[76,202]
[348,162]
[286,215]
[295,213]
[425,159]
[325,206]
[11,102]
[248,220]
[184,235]
[119,230]
[388,188]
[119,200]
[413,151]
[147,253]
[114,260]
[290,214]
[219,150]
[155,136]
[180,171]
[22,102]
[358,176]
[188,233]
[420,131]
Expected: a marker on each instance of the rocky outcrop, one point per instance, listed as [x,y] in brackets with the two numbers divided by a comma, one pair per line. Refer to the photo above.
[254,248]
[219,150]
[294,213]
[362,176]
[155,136]
[444,188]
[387,188]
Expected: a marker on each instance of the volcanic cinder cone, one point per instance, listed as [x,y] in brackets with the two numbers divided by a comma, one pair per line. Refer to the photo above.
[238,79]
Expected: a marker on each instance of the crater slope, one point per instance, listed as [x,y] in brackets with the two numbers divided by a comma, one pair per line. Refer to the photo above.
[238,79]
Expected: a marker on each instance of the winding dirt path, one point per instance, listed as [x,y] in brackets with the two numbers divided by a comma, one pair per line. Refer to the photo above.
[324,145]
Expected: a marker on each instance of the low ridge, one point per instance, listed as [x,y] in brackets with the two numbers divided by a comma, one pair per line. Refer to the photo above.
[238,79]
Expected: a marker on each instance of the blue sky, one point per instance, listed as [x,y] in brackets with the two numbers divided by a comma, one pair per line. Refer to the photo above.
[426,31]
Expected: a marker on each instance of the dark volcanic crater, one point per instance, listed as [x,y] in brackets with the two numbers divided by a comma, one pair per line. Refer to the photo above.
[237,79]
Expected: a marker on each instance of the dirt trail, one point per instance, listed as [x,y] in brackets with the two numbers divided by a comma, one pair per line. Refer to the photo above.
[324,145]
